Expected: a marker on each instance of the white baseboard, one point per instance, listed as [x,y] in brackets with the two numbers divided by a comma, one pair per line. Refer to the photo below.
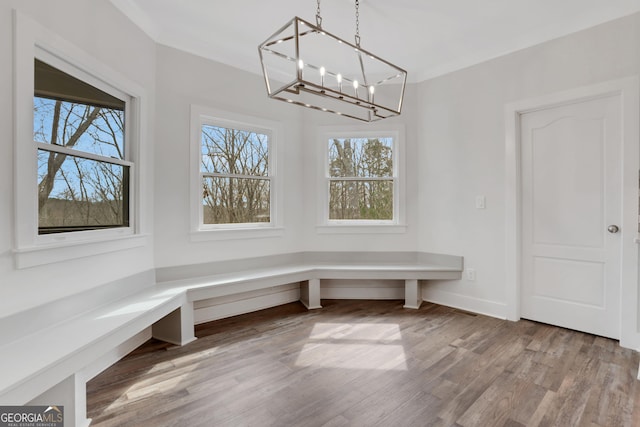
[362,289]
[464,302]
[362,293]
[233,305]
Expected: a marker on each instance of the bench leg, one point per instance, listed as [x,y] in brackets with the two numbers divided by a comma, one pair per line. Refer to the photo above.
[310,294]
[412,294]
[70,393]
[176,327]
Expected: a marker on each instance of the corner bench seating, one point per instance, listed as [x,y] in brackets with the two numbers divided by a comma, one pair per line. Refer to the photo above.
[46,349]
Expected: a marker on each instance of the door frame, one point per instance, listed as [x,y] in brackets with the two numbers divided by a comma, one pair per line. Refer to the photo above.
[629,91]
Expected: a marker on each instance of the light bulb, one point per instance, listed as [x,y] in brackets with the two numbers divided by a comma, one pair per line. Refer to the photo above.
[322,71]
[355,84]
[300,64]
[339,78]
[372,90]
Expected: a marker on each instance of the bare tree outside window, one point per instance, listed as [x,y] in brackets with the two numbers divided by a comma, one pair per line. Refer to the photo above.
[236,183]
[361,179]
[83,176]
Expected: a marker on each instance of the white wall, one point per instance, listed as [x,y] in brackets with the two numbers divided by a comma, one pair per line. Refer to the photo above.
[101,31]
[454,151]
[184,79]
[462,149]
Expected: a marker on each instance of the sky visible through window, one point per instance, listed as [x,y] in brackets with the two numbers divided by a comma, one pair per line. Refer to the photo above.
[104,136]
[235,165]
[74,191]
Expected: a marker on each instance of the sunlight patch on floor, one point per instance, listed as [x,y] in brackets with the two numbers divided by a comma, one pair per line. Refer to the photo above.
[370,346]
[155,384]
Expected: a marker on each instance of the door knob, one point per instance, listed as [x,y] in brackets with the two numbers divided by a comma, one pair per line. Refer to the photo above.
[613,228]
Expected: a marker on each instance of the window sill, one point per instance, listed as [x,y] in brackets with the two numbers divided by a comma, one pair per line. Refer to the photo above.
[236,233]
[361,229]
[57,252]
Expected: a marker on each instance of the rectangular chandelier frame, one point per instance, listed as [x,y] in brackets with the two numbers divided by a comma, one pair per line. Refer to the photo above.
[369,88]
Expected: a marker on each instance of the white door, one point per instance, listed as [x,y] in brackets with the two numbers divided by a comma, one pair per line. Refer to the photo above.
[571,207]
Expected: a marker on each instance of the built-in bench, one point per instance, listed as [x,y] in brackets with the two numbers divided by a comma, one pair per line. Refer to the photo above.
[49,352]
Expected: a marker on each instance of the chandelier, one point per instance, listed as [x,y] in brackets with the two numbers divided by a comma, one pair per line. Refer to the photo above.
[305,65]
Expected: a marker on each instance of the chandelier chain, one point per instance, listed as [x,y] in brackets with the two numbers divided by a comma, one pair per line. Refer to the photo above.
[358,23]
[318,17]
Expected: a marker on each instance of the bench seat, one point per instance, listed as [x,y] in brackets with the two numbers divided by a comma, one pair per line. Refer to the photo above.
[48,359]
[42,359]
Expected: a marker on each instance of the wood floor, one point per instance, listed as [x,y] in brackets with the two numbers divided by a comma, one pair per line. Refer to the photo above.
[371,363]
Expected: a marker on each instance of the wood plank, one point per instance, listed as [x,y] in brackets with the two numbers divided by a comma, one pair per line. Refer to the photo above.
[371,363]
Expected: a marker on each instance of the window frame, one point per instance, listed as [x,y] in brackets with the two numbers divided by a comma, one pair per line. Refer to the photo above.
[32,41]
[395,225]
[204,116]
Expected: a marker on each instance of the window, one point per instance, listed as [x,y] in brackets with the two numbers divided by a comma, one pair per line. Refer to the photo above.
[234,185]
[80,129]
[362,187]
[361,179]
[83,170]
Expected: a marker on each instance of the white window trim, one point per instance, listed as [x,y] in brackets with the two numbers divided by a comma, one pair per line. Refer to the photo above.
[30,249]
[398,224]
[201,115]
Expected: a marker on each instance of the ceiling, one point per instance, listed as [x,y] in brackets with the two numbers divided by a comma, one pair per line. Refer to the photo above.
[426,37]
